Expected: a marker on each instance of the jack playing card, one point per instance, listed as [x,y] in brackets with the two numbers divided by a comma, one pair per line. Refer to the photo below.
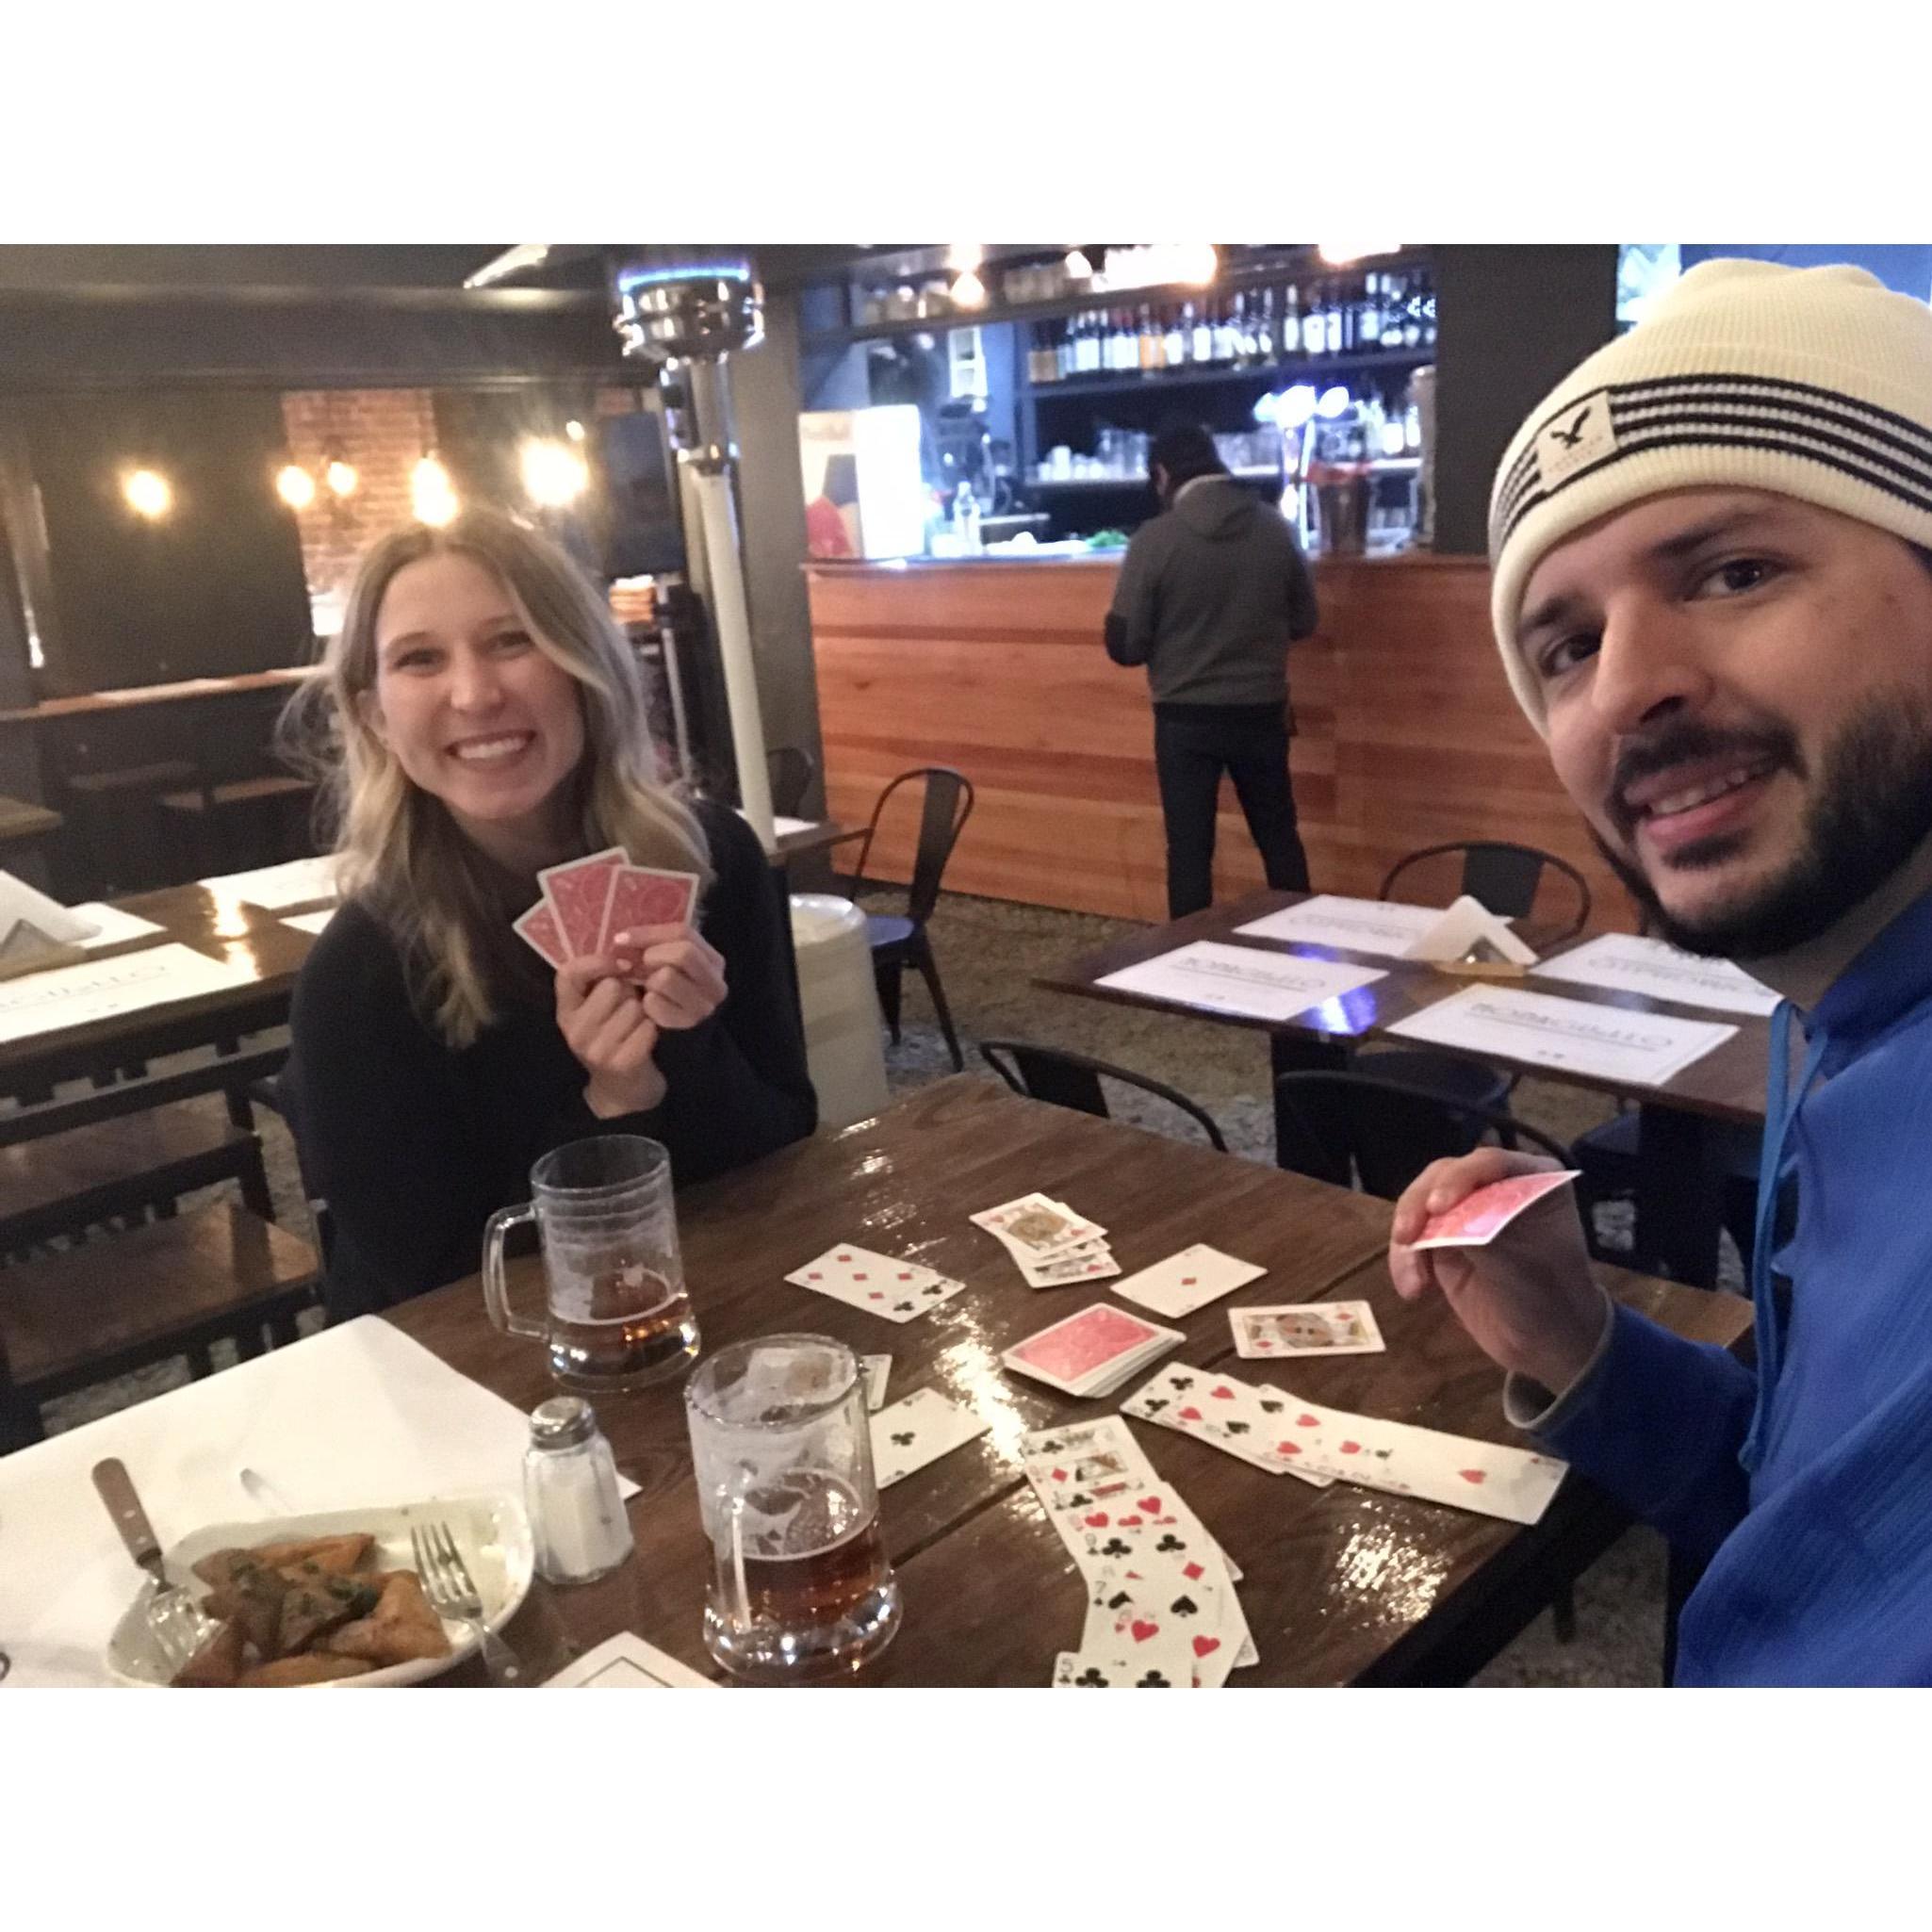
[579,895]
[1478,1219]
[1187,1280]
[1312,1328]
[1036,1225]
[898,1290]
[917,1430]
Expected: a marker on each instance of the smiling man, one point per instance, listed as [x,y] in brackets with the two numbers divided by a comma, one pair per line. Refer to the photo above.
[1713,598]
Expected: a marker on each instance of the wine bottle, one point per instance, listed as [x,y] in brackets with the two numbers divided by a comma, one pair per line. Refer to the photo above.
[1175,345]
[1292,320]
[1369,332]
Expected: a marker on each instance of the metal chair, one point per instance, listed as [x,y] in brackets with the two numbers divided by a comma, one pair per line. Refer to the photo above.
[900,940]
[1505,877]
[1066,1079]
[791,769]
[1397,1129]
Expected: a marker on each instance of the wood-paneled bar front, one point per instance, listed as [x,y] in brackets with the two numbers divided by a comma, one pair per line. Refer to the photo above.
[1406,734]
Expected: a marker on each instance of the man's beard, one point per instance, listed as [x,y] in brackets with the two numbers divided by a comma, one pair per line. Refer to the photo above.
[1871,812]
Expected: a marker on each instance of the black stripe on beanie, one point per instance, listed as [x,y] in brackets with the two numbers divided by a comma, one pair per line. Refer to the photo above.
[1666,436]
[1737,411]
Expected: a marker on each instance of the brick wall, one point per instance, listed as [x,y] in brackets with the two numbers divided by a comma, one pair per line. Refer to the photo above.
[381,432]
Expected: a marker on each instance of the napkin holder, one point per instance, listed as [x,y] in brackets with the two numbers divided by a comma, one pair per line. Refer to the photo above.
[37,932]
[1469,942]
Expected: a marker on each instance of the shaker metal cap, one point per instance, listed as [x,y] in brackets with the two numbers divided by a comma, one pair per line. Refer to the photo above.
[561,1422]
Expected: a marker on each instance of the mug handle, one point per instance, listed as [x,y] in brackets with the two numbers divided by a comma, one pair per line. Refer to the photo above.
[728,1554]
[496,1288]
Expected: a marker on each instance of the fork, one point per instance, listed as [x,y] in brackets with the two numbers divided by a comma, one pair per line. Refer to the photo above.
[446,1583]
[175,1620]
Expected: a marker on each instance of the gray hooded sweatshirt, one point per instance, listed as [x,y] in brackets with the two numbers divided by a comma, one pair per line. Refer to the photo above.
[1211,593]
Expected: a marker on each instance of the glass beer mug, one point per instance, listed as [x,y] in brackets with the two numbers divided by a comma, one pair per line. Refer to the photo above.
[782,1448]
[617,1316]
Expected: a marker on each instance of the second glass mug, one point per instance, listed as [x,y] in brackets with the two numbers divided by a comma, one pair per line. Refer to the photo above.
[781,1445]
[617,1314]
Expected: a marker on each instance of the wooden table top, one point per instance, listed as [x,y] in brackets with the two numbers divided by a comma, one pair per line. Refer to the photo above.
[1728,1083]
[1336,1580]
[211,922]
[91,702]
[818,837]
[19,819]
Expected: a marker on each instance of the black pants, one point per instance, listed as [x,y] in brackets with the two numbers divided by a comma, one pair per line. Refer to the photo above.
[1192,746]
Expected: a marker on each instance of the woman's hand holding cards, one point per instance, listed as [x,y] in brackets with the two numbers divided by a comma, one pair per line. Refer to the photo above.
[681,974]
[1527,1296]
[604,1022]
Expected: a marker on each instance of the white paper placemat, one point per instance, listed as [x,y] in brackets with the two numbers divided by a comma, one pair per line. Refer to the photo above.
[1242,979]
[1608,1043]
[99,989]
[115,925]
[356,1414]
[310,921]
[1363,926]
[1624,962]
[300,882]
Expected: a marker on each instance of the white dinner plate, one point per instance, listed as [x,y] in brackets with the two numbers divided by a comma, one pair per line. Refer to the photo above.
[491,1531]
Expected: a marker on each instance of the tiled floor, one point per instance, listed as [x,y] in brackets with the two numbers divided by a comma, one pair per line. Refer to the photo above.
[987,953]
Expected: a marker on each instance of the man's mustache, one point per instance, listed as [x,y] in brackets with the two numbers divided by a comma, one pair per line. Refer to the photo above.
[1681,740]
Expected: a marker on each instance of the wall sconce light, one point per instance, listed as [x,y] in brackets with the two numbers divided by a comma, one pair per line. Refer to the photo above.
[295,487]
[432,497]
[554,474]
[341,477]
[147,493]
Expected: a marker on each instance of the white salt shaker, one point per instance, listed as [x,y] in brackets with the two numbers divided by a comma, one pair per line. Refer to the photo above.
[576,1518]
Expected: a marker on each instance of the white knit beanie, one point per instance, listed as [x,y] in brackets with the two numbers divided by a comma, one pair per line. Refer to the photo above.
[1808,383]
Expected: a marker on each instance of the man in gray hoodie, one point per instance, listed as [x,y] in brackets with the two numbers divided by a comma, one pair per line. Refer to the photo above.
[1211,594]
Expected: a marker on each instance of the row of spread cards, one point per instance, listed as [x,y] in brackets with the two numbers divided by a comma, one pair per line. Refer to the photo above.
[1162,1610]
[587,903]
[1282,1433]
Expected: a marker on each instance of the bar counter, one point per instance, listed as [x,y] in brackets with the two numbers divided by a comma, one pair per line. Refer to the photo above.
[1407,734]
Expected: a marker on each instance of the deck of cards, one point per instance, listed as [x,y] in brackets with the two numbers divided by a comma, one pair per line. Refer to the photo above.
[1161,1608]
[880,1283]
[1308,1328]
[1094,1353]
[587,903]
[1050,1244]
[1478,1219]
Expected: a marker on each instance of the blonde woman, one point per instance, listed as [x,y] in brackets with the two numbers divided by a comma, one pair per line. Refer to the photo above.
[488,722]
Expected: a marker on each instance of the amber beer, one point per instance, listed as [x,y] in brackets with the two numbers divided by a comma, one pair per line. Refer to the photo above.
[636,1322]
[831,1562]
[617,1314]
[781,1448]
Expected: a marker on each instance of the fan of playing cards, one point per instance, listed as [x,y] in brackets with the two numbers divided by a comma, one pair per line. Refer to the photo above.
[586,903]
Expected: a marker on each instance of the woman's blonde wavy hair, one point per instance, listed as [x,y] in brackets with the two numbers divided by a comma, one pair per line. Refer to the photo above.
[402,852]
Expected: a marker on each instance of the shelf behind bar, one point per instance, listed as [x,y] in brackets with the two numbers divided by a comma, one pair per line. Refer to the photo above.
[819,341]
[1125,382]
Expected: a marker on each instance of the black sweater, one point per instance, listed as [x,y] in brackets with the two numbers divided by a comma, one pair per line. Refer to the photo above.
[413,1145]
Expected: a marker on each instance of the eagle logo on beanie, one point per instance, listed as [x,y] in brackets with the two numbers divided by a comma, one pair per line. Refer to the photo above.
[1582,433]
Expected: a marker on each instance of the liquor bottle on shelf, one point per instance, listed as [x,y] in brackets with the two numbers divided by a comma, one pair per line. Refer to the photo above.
[1040,367]
[1428,312]
[1176,344]
[1412,313]
[1202,348]
[1152,343]
[1063,351]
[1332,320]
[1222,333]
[1090,355]
[1369,331]
[1292,320]
[1264,328]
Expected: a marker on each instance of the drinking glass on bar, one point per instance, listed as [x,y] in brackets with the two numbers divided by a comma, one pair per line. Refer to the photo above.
[617,1316]
[782,1448]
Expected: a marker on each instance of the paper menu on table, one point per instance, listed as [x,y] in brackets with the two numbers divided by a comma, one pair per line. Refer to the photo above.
[1608,1043]
[1623,963]
[1363,926]
[1241,979]
[64,996]
[356,1414]
[311,923]
[300,882]
[112,926]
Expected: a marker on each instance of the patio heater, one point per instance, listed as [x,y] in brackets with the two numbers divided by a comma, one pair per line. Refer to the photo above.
[685,313]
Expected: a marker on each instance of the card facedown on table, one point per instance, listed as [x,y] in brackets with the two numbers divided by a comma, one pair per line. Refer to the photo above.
[1090,1352]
